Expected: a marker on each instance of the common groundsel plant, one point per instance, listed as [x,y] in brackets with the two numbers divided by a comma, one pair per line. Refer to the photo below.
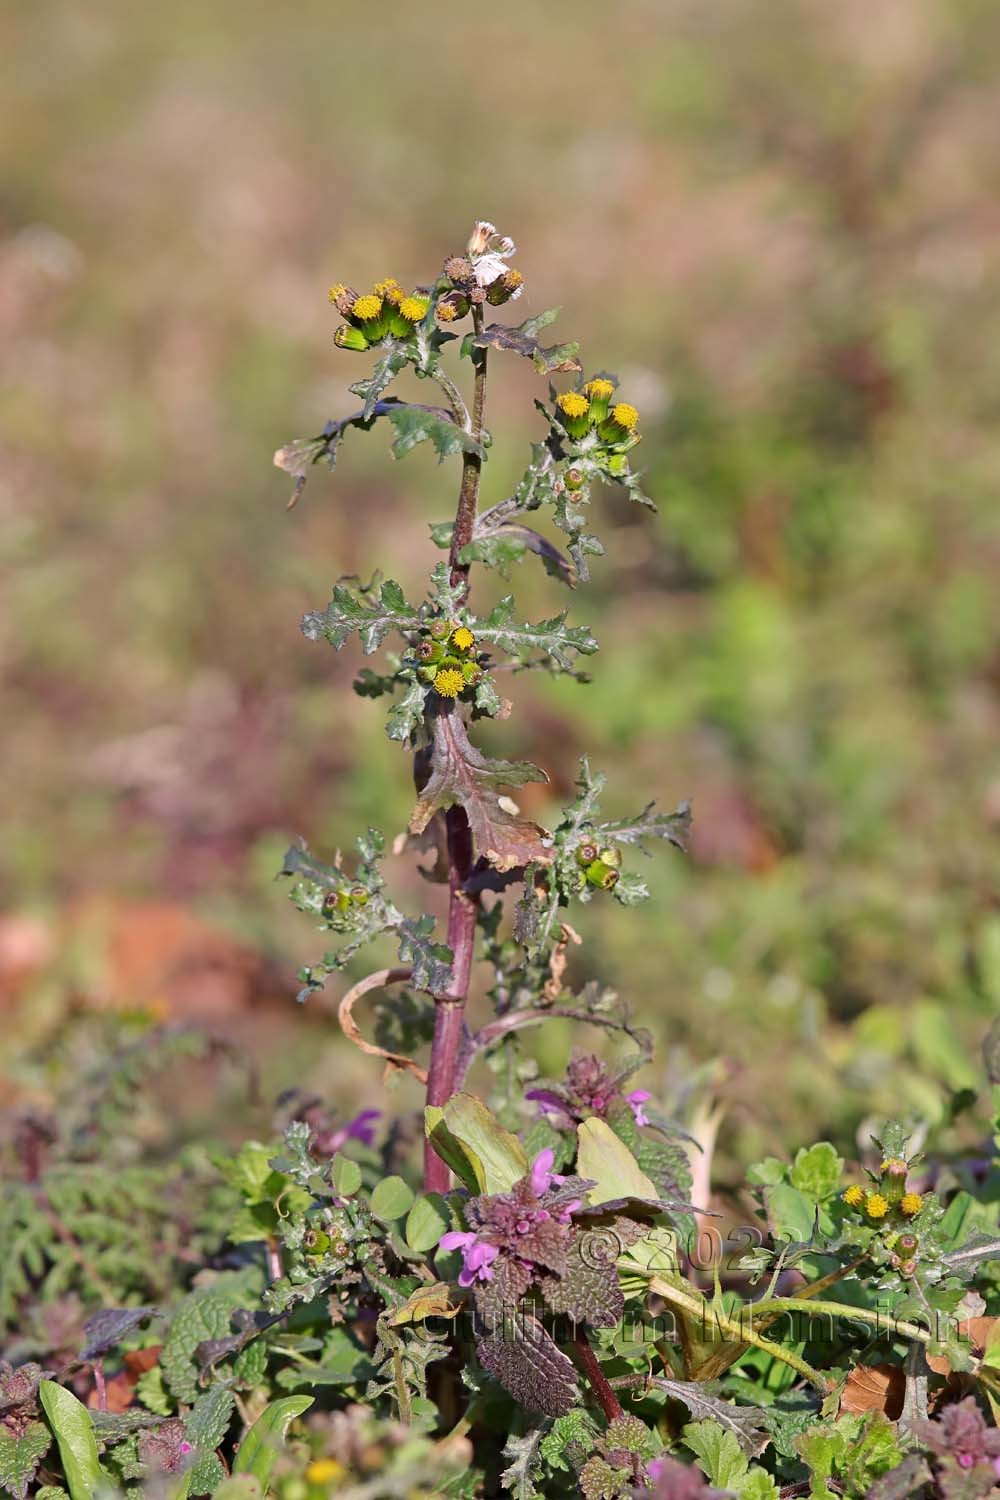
[533,1313]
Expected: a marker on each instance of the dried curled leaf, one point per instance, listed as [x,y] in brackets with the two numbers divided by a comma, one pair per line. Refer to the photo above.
[524,340]
[461,775]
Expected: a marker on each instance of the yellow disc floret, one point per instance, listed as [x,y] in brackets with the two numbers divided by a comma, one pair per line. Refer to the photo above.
[447,312]
[337,290]
[598,390]
[876,1207]
[625,415]
[324,1471]
[449,682]
[414,308]
[390,289]
[463,638]
[367,307]
[854,1196]
[911,1204]
[895,1166]
[572,404]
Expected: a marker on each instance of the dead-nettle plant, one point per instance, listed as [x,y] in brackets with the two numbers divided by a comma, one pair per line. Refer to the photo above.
[445,678]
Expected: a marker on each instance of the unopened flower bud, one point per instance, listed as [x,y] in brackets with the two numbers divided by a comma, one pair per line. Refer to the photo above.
[908,1268]
[347,337]
[439,629]
[602,875]
[359,895]
[907,1242]
[587,853]
[612,856]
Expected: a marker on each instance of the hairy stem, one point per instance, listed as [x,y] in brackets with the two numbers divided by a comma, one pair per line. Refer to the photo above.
[472,466]
[591,1367]
[449,1019]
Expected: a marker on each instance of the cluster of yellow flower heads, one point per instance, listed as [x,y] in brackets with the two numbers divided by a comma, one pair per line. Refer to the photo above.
[891,1208]
[589,410]
[387,311]
[446,658]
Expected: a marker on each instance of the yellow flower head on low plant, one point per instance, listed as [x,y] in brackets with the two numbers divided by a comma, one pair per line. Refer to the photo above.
[463,638]
[911,1204]
[368,307]
[447,312]
[574,410]
[854,1196]
[324,1471]
[389,290]
[895,1166]
[449,682]
[337,290]
[876,1206]
[414,307]
[625,415]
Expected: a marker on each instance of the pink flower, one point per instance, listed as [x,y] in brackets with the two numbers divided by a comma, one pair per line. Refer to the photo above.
[477,1255]
[541,1171]
[636,1100]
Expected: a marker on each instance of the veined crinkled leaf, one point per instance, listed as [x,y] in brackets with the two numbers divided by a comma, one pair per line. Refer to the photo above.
[524,340]
[371,388]
[462,775]
[523,1455]
[553,638]
[21,1455]
[430,961]
[508,543]
[606,1159]
[530,1366]
[499,1157]
[259,1449]
[674,827]
[747,1424]
[372,614]
[74,1433]
[419,424]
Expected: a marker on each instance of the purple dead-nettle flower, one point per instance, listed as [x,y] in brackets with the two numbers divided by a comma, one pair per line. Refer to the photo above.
[477,1255]
[589,1089]
[635,1101]
[961,1433]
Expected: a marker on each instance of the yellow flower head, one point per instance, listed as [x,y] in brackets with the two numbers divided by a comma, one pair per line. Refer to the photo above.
[572,404]
[876,1207]
[337,290]
[367,307]
[598,390]
[449,682]
[390,289]
[911,1204]
[447,312]
[414,308]
[625,415]
[324,1471]
[895,1166]
[463,638]
[854,1196]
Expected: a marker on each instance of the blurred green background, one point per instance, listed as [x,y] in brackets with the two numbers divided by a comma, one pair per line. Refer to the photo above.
[779,222]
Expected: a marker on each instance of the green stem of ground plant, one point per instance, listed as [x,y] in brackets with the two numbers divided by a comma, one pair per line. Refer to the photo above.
[698,1307]
[881,1321]
[449,1014]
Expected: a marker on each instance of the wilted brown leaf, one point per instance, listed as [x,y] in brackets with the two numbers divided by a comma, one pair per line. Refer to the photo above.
[460,774]
[874,1388]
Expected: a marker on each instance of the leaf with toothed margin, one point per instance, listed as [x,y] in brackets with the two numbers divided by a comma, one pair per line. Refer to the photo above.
[530,1366]
[523,1455]
[553,638]
[508,543]
[586,1293]
[21,1455]
[430,961]
[462,775]
[524,340]
[383,374]
[372,611]
[418,424]
[406,716]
